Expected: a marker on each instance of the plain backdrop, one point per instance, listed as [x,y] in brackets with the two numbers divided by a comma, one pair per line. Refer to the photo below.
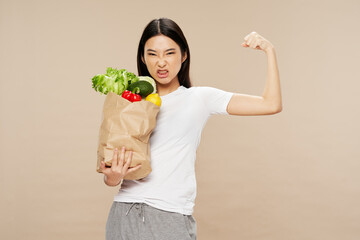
[288,176]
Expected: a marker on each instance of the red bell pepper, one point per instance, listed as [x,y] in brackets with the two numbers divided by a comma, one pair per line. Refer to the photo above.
[127,95]
[136,97]
[131,96]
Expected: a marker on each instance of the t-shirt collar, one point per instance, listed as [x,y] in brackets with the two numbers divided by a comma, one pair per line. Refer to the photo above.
[180,88]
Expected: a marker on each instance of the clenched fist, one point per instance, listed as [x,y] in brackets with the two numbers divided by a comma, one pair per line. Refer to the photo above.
[256,41]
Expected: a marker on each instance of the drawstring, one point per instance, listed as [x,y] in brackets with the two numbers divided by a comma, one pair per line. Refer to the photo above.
[129,209]
[142,209]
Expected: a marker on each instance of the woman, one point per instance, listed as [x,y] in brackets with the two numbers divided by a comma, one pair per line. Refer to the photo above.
[160,206]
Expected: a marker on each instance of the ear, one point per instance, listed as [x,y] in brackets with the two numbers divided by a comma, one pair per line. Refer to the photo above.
[184,57]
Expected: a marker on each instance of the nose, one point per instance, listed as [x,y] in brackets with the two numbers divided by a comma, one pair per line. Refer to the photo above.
[161,62]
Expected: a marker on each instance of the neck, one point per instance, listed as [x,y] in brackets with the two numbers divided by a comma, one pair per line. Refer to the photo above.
[164,89]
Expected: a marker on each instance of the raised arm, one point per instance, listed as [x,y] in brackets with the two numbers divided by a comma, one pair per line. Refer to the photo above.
[270,102]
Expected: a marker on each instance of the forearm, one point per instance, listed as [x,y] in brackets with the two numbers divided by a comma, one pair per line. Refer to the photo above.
[272,91]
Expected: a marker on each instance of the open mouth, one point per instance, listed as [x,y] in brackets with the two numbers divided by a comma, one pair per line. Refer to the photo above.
[162,73]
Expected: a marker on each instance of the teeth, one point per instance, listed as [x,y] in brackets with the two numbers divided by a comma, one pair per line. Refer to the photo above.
[162,71]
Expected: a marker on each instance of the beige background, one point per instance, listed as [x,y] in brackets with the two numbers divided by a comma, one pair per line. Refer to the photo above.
[289,176]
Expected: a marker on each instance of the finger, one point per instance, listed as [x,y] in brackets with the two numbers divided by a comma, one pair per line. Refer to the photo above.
[128,161]
[130,170]
[122,156]
[114,161]
[254,44]
[103,167]
[258,42]
[249,41]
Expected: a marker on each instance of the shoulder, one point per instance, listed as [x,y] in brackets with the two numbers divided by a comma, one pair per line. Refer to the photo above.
[205,90]
[201,89]
[204,93]
[198,91]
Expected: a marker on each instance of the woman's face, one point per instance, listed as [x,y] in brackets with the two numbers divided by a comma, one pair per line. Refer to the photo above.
[162,57]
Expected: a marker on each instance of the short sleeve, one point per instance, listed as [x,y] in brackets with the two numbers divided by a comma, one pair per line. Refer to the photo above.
[214,99]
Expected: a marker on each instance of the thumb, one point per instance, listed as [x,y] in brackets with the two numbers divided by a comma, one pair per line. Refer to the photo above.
[102,166]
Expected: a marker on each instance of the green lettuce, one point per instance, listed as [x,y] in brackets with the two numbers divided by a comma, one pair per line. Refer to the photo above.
[113,80]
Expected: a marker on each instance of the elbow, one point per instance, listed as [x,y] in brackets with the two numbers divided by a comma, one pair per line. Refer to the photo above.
[273,107]
[277,109]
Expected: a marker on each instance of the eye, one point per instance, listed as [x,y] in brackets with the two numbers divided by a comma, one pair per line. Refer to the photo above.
[171,53]
[151,54]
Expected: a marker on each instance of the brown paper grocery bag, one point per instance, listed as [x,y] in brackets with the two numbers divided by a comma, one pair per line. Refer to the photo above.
[128,124]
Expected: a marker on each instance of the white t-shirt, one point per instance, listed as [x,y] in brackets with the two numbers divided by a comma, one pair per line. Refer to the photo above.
[171,186]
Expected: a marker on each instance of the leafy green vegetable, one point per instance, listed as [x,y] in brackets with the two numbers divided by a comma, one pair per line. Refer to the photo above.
[114,80]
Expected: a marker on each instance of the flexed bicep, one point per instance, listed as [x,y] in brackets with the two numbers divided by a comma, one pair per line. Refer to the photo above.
[249,105]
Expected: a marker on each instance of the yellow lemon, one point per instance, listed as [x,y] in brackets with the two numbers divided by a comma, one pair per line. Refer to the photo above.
[154,98]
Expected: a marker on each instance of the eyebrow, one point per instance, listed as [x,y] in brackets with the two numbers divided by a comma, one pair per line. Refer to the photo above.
[170,49]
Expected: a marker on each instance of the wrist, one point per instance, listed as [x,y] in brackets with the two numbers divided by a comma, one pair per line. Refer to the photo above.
[112,182]
[270,49]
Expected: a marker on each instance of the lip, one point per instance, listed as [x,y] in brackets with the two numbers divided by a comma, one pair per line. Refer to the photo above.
[161,70]
[162,73]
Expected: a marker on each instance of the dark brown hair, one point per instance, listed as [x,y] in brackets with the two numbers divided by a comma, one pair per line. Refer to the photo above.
[167,27]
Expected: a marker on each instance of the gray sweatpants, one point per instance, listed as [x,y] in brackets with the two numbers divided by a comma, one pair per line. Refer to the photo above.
[139,221]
